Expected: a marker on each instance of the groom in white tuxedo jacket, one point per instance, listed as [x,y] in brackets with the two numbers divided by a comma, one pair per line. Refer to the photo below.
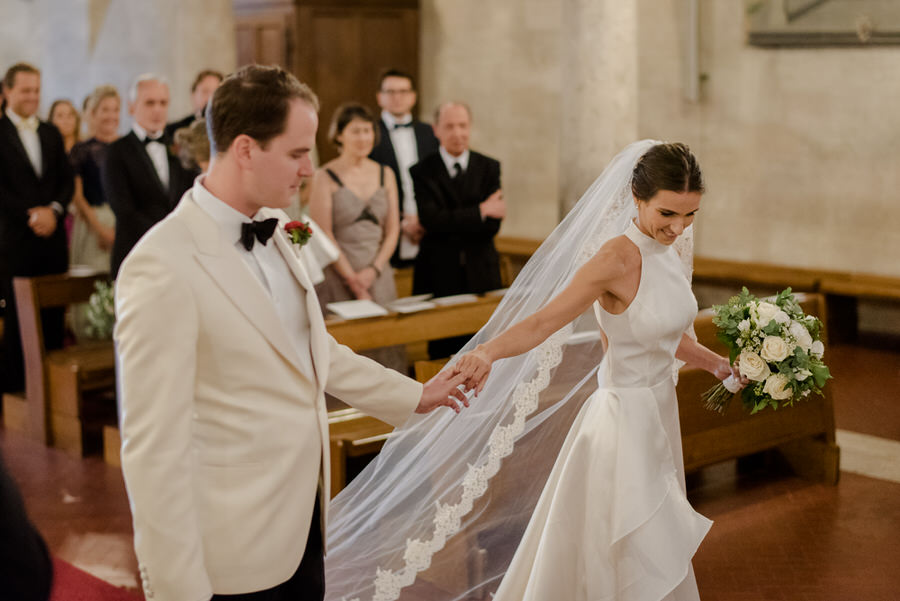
[224,361]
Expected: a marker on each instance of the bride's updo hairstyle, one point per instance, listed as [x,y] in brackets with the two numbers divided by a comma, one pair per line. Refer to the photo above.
[669,166]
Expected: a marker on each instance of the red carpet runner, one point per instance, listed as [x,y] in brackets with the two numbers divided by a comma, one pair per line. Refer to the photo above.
[72,584]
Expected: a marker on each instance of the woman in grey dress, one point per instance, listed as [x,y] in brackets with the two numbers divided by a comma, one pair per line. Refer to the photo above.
[354,201]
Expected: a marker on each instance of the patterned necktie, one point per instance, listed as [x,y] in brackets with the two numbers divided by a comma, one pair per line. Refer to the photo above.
[257,230]
[28,124]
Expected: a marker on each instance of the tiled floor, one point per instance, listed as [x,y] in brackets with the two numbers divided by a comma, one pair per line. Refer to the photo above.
[776,537]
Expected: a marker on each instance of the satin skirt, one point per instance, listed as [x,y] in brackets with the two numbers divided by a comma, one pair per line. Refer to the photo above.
[613,521]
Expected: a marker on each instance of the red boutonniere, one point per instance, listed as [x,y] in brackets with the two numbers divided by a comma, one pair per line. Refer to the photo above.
[298,232]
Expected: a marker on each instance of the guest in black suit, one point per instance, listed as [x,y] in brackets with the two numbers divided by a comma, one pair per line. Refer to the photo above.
[460,205]
[142,179]
[403,141]
[36,184]
[206,82]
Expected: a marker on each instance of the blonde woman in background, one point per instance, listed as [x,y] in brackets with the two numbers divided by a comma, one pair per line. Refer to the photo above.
[192,143]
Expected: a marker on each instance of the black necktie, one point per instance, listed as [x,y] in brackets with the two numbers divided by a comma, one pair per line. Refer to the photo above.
[399,125]
[148,139]
[457,170]
[257,230]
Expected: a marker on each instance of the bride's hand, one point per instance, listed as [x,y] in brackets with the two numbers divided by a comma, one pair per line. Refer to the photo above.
[725,369]
[475,366]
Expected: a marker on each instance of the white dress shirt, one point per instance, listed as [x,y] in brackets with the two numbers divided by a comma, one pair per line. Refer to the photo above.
[27,128]
[407,152]
[270,269]
[157,152]
[450,160]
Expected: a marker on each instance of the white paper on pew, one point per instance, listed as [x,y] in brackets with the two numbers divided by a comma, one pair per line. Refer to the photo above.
[457,299]
[356,309]
[411,307]
[411,300]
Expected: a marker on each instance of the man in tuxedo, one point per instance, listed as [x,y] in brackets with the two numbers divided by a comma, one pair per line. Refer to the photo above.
[460,205]
[142,178]
[202,89]
[403,141]
[36,184]
[224,362]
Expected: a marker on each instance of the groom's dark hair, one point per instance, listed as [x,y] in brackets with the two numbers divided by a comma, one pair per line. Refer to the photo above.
[254,101]
[668,166]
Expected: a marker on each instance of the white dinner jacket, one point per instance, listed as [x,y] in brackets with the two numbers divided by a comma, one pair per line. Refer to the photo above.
[224,438]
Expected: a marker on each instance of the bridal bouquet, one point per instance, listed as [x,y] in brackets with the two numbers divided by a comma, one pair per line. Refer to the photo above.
[101,313]
[777,348]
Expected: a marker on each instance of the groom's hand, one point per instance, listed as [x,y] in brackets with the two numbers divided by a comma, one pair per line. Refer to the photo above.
[443,391]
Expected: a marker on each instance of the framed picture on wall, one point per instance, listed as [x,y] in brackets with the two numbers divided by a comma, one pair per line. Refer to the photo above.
[822,23]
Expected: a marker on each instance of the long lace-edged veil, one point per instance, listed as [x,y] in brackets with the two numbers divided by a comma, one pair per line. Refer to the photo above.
[437,515]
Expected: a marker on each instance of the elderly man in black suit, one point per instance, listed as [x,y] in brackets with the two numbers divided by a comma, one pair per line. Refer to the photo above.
[142,178]
[36,184]
[403,141]
[461,206]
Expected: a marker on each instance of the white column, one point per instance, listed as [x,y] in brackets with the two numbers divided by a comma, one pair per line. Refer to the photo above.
[599,91]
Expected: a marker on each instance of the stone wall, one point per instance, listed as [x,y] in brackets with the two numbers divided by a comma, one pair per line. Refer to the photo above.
[79,44]
[797,144]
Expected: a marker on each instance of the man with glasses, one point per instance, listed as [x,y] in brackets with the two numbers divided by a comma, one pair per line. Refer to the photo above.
[403,141]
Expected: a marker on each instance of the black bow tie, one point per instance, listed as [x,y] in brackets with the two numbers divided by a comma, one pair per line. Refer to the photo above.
[258,230]
[399,125]
[148,139]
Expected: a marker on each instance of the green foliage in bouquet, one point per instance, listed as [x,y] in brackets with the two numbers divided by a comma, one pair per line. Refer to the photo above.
[101,312]
[777,347]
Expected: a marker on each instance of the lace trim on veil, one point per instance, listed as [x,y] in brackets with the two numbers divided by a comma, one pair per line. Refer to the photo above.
[448,517]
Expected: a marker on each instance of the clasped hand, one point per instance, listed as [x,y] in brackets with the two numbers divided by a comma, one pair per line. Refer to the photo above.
[443,390]
[475,367]
[42,221]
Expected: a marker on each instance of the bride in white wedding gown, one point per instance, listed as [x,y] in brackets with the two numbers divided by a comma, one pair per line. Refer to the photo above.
[612,520]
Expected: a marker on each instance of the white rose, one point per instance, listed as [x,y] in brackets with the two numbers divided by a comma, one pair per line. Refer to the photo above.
[774,349]
[782,317]
[751,365]
[766,312]
[777,387]
[802,374]
[744,325]
[801,335]
[817,349]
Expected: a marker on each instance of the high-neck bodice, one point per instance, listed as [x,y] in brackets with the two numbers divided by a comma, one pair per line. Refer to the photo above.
[643,338]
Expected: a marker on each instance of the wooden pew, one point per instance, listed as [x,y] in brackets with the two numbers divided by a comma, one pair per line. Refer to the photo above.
[803,434]
[440,322]
[68,392]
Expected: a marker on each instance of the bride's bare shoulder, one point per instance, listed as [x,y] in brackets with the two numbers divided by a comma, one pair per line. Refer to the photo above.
[616,257]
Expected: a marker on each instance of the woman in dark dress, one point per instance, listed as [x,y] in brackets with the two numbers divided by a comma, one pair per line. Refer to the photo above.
[94,228]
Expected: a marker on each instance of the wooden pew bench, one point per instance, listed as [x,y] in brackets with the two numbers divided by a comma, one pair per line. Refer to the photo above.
[70,392]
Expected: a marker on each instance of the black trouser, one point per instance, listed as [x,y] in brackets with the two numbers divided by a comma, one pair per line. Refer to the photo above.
[307,583]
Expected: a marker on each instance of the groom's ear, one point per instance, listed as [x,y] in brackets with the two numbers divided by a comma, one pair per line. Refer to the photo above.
[242,148]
